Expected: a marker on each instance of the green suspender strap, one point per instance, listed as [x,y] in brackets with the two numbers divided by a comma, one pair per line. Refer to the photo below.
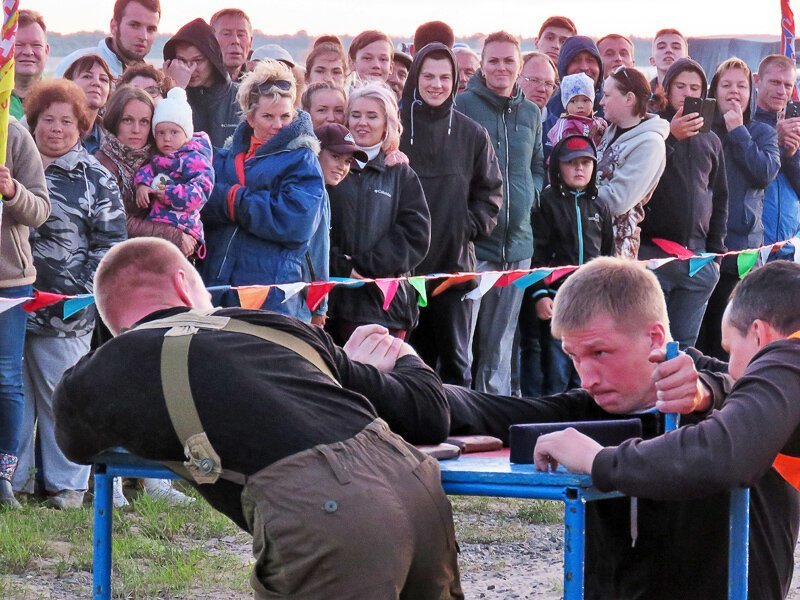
[203,463]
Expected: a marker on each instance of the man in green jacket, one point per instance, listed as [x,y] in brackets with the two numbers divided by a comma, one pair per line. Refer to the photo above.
[495,100]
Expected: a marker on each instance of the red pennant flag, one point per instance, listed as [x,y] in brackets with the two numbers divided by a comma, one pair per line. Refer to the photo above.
[316,292]
[389,289]
[42,300]
[673,248]
[558,274]
[509,278]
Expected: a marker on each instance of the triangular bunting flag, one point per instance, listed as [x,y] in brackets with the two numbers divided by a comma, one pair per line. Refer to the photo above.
[290,290]
[42,300]
[73,305]
[698,262]
[316,292]
[389,289]
[451,281]
[655,263]
[558,274]
[795,241]
[418,283]
[531,278]
[745,261]
[673,248]
[8,303]
[347,281]
[764,254]
[252,296]
[510,277]
[486,283]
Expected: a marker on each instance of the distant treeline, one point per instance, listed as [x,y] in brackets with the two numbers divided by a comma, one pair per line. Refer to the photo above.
[297,44]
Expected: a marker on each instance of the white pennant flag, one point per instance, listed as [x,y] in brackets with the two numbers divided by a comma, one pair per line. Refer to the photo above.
[487,281]
[655,263]
[290,290]
[796,242]
[8,303]
[765,252]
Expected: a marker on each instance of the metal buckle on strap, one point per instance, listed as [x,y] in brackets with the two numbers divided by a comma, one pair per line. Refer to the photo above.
[203,464]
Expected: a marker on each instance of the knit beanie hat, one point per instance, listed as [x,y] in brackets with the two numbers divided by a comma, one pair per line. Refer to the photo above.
[175,109]
[579,84]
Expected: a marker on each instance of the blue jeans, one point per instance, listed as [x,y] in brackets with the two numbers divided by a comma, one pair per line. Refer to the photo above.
[12,343]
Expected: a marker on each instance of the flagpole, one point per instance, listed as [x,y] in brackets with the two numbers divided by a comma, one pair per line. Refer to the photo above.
[9,34]
[787,37]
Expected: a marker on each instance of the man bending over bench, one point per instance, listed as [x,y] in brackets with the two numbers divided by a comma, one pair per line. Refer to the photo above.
[276,438]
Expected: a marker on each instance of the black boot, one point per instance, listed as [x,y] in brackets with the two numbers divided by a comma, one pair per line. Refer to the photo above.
[8,464]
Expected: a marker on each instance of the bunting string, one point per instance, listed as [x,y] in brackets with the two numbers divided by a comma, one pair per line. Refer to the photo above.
[254,296]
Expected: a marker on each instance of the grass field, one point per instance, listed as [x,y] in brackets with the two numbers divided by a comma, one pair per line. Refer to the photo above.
[187,551]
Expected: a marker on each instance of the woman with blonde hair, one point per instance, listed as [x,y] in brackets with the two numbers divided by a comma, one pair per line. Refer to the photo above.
[267,200]
[380,223]
[324,101]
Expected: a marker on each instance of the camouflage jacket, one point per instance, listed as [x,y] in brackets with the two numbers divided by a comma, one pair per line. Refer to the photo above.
[87,218]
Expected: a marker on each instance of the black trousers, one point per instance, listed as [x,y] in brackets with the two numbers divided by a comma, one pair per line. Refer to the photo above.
[709,341]
[442,337]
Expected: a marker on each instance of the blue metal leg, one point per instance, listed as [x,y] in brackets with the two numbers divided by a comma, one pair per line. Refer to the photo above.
[101,565]
[738,547]
[574,536]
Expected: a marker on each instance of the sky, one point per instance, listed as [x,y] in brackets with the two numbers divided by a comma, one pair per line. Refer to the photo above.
[399,18]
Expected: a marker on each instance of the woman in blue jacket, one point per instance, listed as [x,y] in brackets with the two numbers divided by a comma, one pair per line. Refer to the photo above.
[268,197]
[752,161]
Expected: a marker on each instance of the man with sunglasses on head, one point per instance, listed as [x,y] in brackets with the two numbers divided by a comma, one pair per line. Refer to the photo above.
[192,57]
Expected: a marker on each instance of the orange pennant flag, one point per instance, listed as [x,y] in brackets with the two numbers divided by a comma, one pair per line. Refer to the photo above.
[450,282]
[252,296]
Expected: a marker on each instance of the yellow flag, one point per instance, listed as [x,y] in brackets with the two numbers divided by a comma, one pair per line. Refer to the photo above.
[10,12]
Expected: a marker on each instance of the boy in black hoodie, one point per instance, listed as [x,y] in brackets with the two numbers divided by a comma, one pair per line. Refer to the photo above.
[192,57]
[571,228]
[458,169]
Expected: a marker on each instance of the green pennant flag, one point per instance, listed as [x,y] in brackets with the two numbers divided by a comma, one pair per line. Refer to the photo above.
[746,261]
[418,283]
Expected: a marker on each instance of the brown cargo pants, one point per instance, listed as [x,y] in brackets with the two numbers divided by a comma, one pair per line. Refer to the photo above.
[361,519]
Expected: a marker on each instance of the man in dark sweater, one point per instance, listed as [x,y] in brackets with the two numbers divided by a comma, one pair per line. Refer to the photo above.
[193,58]
[734,446]
[453,157]
[339,507]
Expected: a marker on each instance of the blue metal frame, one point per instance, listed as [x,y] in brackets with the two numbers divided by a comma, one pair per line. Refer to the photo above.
[468,476]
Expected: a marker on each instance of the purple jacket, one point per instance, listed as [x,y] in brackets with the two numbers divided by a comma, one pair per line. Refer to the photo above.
[186,177]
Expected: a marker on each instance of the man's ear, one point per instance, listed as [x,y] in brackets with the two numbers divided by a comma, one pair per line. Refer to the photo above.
[658,335]
[755,78]
[652,61]
[180,283]
[112,27]
[765,333]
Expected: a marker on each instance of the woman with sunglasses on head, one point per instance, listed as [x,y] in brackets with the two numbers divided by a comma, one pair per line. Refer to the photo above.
[380,223]
[268,197]
[631,156]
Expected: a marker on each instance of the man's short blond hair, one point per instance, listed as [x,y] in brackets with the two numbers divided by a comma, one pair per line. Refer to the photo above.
[135,266]
[620,288]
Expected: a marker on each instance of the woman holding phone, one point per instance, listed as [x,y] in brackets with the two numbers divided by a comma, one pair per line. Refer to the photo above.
[690,204]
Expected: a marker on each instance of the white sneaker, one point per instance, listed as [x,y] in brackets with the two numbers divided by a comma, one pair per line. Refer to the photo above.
[163,490]
[119,498]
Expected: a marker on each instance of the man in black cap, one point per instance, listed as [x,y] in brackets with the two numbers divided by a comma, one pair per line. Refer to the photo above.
[192,57]
[398,76]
